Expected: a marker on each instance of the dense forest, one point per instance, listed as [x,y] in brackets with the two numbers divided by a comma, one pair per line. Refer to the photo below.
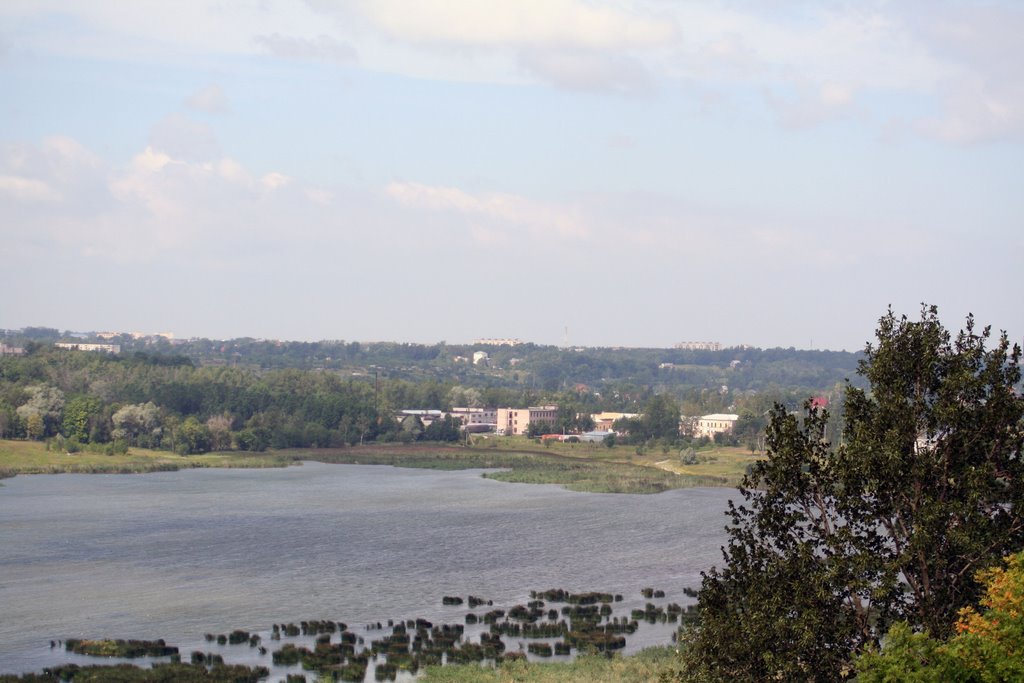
[249,394]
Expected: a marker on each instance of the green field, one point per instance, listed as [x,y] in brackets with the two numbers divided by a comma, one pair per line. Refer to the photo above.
[31,457]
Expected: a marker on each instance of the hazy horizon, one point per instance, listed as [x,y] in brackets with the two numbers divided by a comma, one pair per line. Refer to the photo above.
[642,172]
[422,342]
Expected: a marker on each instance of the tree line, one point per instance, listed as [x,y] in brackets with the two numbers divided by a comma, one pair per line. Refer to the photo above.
[877,555]
[166,399]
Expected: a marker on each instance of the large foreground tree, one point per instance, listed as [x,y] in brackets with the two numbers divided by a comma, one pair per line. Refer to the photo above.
[833,545]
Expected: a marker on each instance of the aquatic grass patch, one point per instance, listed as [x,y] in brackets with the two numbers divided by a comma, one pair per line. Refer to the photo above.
[158,673]
[129,649]
[330,651]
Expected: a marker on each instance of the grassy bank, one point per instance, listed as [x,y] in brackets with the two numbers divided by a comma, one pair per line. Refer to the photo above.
[31,457]
[578,471]
[578,467]
[725,462]
[643,667]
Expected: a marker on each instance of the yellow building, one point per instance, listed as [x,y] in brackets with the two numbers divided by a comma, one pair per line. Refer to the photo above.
[716,423]
[514,421]
[603,421]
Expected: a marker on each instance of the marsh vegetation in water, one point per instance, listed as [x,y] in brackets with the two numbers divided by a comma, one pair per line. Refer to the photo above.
[555,623]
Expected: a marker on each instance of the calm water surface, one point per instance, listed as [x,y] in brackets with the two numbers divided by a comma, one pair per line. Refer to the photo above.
[175,555]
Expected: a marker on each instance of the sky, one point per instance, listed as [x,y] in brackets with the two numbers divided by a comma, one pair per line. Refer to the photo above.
[636,173]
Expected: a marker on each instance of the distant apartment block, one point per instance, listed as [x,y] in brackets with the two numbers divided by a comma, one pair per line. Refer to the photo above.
[480,357]
[716,423]
[6,350]
[515,421]
[136,335]
[497,342]
[80,346]
[699,346]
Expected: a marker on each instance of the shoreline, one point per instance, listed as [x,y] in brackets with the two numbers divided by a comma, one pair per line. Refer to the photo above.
[593,470]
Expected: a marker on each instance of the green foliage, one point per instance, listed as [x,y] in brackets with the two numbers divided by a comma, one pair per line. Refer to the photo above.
[832,546]
[445,429]
[34,426]
[42,411]
[138,424]
[255,394]
[80,413]
[192,436]
[661,418]
[988,646]
[254,440]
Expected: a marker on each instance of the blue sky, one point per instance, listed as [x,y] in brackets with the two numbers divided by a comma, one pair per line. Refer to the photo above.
[639,172]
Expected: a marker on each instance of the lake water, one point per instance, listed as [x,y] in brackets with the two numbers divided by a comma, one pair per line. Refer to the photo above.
[175,555]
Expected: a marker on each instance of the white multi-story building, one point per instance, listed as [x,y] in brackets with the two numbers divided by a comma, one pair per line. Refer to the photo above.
[716,423]
[514,421]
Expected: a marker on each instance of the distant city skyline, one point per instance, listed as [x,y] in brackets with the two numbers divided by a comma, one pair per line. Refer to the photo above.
[640,172]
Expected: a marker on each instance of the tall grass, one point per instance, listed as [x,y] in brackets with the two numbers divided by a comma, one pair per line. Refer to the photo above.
[32,457]
[643,667]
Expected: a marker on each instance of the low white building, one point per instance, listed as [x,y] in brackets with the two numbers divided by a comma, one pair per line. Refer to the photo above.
[699,346]
[716,423]
[492,341]
[81,346]
[605,421]
[477,419]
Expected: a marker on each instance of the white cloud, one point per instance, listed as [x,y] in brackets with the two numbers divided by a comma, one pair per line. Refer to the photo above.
[28,189]
[319,195]
[962,56]
[553,23]
[153,29]
[182,138]
[154,207]
[492,215]
[983,98]
[321,48]
[977,111]
[210,99]
[835,94]
[587,70]
[273,181]
[805,106]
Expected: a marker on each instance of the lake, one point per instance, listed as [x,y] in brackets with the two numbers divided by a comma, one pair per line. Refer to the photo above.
[175,555]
